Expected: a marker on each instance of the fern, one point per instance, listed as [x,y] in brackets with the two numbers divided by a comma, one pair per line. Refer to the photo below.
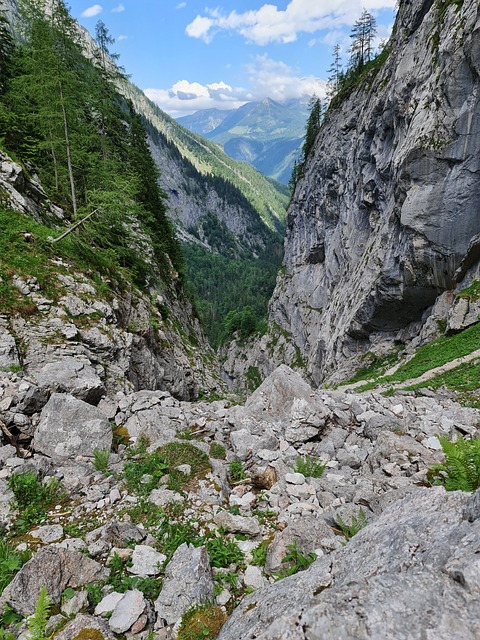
[358,522]
[461,469]
[37,624]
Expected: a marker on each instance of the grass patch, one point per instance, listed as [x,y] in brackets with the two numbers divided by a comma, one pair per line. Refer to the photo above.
[235,471]
[202,623]
[374,367]
[470,293]
[434,354]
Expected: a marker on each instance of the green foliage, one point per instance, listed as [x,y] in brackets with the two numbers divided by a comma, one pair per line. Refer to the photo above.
[309,467]
[235,471]
[122,581]
[296,561]
[434,354]
[259,555]
[217,451]
[375,366]
[37,624]
[223,552]
[253,377]
[101,459]
[143,472]
[470,293]
[349,530]
[33,498]
[171,535]
[10,563]
[232,291]
[461,469]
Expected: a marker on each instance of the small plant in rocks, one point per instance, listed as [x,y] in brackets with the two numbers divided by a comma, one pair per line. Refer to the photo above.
[349,530]
[33,498]
[101,459]
[10,562]
[236,471]
[461,469]
[218,451]
[295,561]
[309,467]
[202,622]
[223,552]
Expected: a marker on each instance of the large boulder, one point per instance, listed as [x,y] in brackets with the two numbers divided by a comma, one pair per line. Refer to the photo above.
[55,569]
[412,573]
[188,582]
[69,427]
[70,375]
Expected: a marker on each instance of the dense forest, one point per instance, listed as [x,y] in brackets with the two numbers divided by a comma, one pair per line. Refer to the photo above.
[62,117]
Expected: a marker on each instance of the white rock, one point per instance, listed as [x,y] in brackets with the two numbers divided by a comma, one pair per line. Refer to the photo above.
[295,478]
[146,561]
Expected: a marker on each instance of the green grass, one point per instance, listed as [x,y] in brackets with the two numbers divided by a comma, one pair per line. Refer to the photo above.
[470,293]
[374,368]
[432,355]
[235,471]
[143,471]
[10,562]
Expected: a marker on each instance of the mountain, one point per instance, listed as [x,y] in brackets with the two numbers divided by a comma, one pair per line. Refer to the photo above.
[385,212]
[266,134]
[205,120]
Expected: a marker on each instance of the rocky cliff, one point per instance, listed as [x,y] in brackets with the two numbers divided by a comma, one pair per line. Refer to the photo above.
[388,203]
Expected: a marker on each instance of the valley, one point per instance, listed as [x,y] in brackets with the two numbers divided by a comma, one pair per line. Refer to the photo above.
[227,410]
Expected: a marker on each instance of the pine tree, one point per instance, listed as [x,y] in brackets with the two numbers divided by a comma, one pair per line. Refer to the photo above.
[313,126]
[363,35]
[335,72]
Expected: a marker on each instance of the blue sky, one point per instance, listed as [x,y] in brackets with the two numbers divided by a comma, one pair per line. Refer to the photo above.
[197,54]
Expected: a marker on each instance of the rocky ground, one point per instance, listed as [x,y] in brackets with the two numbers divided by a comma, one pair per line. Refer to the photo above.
[205,503]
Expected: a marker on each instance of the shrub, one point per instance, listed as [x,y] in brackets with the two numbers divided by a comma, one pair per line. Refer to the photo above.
[223,552]
[461,469]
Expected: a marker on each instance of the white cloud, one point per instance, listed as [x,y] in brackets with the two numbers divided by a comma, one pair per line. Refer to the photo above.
[92,11]
[181,5]
[118,9]
[266,78]
[122,37]
[270,24]
[186,97]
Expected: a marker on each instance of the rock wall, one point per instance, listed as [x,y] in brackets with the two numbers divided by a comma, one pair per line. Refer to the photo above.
[388,203]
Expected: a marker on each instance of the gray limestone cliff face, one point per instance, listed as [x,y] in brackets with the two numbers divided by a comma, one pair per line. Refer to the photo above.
[388,203]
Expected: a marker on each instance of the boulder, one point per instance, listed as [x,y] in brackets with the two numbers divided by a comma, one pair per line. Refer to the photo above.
[69,427]
[188,581]
[56,569]
[71,375]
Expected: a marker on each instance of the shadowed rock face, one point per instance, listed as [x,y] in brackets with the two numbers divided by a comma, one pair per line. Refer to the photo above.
[389,201]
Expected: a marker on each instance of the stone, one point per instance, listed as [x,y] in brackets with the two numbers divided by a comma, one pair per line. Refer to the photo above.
[69,427]
[411,573]
[72,606]
[237,524]
[146,561]
[48,533]
[85,626]
[253,577]
[127,611]
[70,375]
[188,581]
[55,568]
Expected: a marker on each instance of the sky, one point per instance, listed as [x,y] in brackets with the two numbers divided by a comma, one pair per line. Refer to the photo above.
[188,55]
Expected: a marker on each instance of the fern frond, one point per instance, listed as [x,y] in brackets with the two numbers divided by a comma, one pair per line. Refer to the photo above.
[37,624]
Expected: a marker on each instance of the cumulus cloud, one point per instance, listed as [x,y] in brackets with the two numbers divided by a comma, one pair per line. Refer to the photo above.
[92,11]
[186,97]
[271,24]
[118,9]
[265,77]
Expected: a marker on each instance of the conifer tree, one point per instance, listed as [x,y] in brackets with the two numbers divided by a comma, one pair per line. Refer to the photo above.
[363,35]
[335,72]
